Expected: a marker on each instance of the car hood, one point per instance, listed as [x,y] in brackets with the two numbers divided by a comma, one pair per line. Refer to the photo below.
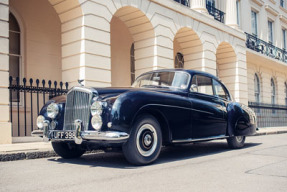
[114,91]
[111,93]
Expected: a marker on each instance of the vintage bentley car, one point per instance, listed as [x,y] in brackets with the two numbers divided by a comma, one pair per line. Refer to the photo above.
[162,107]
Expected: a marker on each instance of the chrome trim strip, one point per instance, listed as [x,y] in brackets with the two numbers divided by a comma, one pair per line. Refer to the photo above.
[190,109]
[105,136]
[201,139]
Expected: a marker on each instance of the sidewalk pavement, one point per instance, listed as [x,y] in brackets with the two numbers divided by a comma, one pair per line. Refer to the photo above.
[35,150]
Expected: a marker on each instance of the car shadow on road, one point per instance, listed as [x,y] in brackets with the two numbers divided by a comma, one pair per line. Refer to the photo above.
[168,154]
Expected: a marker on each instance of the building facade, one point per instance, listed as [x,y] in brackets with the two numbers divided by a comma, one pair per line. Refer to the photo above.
[111,42]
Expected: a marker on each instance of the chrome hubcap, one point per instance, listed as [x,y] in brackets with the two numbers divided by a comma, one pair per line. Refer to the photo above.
[239,139]
[146,140]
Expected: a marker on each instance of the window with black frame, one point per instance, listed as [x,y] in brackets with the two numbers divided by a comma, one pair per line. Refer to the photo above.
[202,84]
[220,91]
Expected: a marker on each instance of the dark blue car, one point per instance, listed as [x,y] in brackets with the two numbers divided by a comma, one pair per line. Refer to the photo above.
[162,107]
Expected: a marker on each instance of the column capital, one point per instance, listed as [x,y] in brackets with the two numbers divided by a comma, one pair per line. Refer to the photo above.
[199,5]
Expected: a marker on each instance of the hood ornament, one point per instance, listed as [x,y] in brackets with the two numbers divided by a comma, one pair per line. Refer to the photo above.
[80,82]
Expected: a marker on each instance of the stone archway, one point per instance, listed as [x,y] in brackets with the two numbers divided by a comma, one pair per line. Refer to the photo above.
[187,42]
[130,28]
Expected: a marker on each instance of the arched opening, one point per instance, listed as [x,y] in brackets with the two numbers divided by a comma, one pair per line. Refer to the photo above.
[226,68]
[256,88]
[132,41]
[187,49]
[34,53]
[41,55]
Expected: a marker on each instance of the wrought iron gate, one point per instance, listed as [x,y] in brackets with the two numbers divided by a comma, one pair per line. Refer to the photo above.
[26,100]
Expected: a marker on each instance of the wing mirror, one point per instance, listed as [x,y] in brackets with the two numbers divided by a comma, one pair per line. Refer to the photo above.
[194,88]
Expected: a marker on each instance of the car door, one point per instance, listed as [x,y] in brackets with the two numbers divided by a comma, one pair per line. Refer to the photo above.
[207,109]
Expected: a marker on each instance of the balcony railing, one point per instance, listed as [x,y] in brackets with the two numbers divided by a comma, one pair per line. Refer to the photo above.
[258,45]
[216,13]
[183,2]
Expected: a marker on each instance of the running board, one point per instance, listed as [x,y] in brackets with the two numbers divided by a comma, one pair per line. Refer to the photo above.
[190,140]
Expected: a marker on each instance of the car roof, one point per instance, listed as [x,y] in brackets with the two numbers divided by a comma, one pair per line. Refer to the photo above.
[191,72]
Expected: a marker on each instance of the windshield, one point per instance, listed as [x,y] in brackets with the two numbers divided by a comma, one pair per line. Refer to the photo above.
[177,80]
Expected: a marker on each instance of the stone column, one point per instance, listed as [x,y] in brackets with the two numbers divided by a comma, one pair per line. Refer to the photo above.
[231,14]
[5,125]
[199,5]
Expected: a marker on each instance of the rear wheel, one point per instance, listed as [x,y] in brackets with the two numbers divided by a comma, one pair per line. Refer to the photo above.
[236,142]
[66,151]
[144,144]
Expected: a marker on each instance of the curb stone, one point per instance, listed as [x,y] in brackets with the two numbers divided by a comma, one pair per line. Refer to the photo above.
[27,155]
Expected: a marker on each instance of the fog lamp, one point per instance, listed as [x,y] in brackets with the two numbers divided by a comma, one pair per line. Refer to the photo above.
[40,121]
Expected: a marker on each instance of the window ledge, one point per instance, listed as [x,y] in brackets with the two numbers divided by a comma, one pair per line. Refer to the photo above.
[283,9]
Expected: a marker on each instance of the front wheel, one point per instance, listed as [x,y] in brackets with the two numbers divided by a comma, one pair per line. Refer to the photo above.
[236,142]
[144,144]
[66,151]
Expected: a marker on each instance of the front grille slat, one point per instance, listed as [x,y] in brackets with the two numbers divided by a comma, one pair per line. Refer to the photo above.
[77,107]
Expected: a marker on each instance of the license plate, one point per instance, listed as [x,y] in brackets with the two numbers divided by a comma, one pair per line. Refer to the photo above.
[67,135]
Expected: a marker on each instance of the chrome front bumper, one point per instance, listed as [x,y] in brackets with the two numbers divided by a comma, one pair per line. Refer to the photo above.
[80,136]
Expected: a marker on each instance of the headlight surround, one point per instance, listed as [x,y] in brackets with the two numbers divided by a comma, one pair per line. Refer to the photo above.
[97,108]
[40,121]
[52,110]
[97,122]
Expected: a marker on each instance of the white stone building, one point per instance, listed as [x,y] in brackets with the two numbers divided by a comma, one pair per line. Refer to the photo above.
[110,42]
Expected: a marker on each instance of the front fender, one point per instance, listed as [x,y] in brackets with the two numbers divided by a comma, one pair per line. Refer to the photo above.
[241,120]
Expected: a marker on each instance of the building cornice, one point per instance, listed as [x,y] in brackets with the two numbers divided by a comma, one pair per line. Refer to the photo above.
[283,18]
[272,1]
[271,10]
[259,2]
[283,9]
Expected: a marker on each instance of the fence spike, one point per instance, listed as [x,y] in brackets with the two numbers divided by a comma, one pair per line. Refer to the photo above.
[24,81]
[31,81]
[67,85]
[43,83]
[49,83]
[37,82]
[10,80]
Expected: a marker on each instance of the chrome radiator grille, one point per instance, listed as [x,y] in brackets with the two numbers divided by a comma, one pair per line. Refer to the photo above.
[77,107]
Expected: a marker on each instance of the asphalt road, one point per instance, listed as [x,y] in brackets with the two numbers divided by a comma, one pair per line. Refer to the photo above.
[209,166]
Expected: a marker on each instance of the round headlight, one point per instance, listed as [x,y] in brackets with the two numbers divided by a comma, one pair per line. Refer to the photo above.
[97,108]
[97,122]
[40,121]
[52,110]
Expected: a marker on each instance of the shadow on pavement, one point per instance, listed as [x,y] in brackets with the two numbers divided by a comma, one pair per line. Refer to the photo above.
[167,155]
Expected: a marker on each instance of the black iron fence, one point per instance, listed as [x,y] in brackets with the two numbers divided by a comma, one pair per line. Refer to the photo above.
[269,115]
[183,2]
[258,45]
[26,100]
[216,13]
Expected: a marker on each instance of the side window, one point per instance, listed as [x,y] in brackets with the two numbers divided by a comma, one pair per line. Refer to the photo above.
[219,90]
[203,84]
